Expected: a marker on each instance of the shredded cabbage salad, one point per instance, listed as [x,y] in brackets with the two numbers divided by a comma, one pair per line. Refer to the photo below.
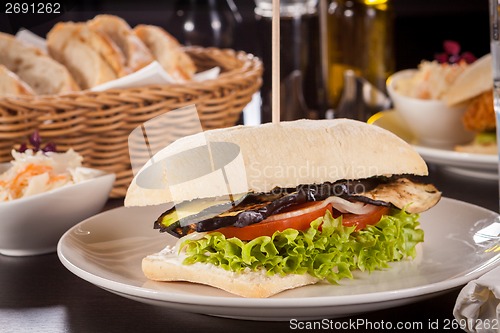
[32,173]
[431,81]
[326,250]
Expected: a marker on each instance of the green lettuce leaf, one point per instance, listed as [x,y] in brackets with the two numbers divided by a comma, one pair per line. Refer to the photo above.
[327,249]
[486,138]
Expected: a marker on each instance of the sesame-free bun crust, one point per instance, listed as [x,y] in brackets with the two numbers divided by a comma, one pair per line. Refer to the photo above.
[476,79]
[12,85]
[167,51]
[289,154]
[90,56]
[137,55]
[43,74]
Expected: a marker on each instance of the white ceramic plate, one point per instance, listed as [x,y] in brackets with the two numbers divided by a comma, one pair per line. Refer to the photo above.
[471,165]
[107,249]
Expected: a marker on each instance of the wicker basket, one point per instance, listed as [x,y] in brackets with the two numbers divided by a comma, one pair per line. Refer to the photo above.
[97,124]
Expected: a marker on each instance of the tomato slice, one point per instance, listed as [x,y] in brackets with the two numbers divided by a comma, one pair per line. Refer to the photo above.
[361,221]
[301,222]
[267,228]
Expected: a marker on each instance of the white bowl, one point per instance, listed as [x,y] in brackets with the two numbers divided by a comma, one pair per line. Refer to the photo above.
[33,225]
[432,122]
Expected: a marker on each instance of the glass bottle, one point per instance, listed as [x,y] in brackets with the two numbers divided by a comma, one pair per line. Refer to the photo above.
[300,70]
[207,22]
[359,37]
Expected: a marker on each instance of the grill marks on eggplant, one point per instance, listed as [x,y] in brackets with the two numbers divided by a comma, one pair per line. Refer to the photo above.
[402,191]
[256,207]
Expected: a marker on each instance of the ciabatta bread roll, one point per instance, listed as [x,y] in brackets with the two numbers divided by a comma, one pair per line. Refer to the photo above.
[43,74]
[383,154]
[12,85]
[90,56]
[137,55]
[167,51]
[280,232]
[166,266]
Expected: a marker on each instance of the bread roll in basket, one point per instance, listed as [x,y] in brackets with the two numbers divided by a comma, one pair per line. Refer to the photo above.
[97,124]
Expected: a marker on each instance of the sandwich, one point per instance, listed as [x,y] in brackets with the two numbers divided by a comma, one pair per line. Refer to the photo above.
[308,201]
[474,87]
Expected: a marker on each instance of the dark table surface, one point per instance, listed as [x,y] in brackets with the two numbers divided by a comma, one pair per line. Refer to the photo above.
[38,294]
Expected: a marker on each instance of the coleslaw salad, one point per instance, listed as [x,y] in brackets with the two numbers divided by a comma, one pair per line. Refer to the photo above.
[431,81]
[32,173]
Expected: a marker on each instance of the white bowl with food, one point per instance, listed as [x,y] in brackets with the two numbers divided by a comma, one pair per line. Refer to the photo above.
[432,121]
[37,207]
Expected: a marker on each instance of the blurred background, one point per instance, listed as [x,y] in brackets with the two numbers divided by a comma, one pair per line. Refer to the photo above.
[420,25]
[406,31]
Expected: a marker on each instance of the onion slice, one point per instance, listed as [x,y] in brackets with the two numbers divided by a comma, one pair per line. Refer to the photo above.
[346,206]
[342,205]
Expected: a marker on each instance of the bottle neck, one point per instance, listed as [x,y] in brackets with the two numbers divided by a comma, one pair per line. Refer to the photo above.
[368,2]
[288,8]
[377,4]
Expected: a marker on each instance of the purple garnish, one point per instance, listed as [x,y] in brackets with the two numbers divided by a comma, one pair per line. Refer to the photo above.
[35,141]
[469,57]
[451,47]
[451,54]
[49,147]
[23,148]
[441,58]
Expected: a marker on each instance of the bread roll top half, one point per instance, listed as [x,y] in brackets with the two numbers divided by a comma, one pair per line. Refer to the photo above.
[476,79]
[282,155]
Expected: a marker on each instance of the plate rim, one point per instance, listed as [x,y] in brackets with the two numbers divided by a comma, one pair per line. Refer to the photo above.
[489,162]
[288,302]
[456,155]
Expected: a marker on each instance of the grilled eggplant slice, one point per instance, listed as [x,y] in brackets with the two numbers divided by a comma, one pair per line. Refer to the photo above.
[255,207]
[403,193]
[251,208]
